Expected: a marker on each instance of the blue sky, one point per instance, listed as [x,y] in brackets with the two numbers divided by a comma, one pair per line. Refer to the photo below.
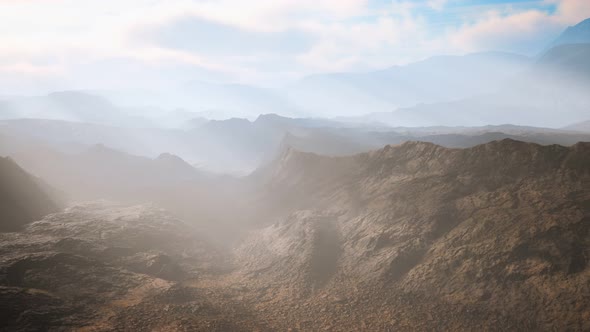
[150,43]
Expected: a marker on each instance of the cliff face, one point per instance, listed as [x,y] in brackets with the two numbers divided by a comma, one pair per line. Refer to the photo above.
[23,198]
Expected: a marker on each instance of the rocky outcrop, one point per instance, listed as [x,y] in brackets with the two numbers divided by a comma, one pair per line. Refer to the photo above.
[408,237]
[493,236]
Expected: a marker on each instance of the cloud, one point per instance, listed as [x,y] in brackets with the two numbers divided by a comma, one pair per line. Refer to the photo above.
[363,45]
[437,4]
[259,15]
[521,32]
[264,41]
[527,31]
[206,37]
[571,11]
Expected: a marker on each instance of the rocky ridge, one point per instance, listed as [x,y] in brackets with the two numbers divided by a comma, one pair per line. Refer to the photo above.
[408,237]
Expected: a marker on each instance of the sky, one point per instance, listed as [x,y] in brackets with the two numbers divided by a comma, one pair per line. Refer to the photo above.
[115,44]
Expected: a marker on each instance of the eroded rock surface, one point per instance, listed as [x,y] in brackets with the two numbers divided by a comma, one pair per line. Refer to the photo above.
[99,266]
[410,237]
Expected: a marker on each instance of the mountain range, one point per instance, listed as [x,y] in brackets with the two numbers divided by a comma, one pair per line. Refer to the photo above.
[577,34]
[473,89]
[437,79]
[436,91]
[412,236]
[461,203]
[559,80]
[239,146]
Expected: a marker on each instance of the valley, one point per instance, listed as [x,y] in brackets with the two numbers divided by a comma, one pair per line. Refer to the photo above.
[413,236]
[297,166]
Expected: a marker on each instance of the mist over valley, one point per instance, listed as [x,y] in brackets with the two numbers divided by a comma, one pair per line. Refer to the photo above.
[295,166]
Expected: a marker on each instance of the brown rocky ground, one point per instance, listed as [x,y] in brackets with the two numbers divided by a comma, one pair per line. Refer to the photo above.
[409,237]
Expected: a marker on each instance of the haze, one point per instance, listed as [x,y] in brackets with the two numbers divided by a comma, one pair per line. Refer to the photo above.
[350,165]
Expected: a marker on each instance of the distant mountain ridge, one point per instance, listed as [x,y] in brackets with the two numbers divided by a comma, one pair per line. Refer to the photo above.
[238,146]
[579,33]
[583,126]
[75,106]
[569,59]
[553,92]
[436,79]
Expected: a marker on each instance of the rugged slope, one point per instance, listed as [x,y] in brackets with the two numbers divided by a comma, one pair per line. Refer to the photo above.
[339,142]
[409,237]
[104,267]
[424,237]
[23,198]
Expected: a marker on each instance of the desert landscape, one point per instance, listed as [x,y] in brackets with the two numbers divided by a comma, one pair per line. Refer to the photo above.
[450,193]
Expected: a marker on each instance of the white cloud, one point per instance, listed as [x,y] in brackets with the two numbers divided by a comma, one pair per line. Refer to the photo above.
[56,36]
[527,29]
[495,30]
[437,4]
[571,11]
